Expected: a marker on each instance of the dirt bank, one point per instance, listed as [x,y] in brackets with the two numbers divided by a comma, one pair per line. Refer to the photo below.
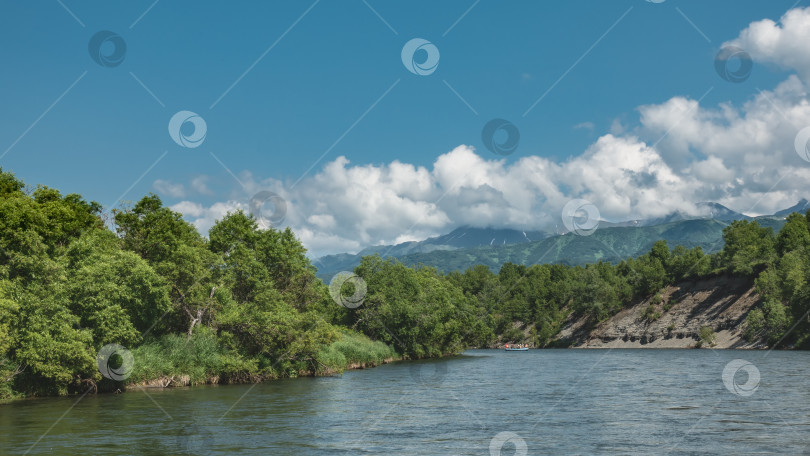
[674,318]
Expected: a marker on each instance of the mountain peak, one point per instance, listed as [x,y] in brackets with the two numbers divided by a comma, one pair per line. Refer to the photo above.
[705,210]
[801,207]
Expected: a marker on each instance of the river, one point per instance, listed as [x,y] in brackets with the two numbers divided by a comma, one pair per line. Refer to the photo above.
[485,402]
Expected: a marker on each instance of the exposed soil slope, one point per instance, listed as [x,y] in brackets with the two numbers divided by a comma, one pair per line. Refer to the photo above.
[720,303]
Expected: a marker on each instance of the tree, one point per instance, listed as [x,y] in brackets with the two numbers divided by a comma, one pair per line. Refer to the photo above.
[115,293]
[9,184]
[748,247]
[647,275]
[264,313]
[9,325]
[687,263]
[278,254]
[419,312]
[794,235]
[67,217]
[56,354]
[24,252]
[597,292]
[769,322]
[178,253]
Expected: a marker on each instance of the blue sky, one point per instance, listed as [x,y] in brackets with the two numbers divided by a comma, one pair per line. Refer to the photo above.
[331,63]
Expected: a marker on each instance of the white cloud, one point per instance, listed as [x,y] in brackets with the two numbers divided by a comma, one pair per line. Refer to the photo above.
[738,155]
[198,185]
[189,209]
[346,208]
[202,217]
[712,170]
[680,154]
[784,44]
[167,188]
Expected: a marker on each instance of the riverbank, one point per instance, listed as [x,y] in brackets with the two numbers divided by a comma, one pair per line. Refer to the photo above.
[708,313]
[175,361]
[185,380]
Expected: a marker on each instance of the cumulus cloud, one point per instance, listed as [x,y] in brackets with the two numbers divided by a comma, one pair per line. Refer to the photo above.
[346,208]
[741,157]
[679,154]
[783,43]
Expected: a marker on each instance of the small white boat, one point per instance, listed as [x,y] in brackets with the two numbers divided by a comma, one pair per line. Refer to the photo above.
[517,349]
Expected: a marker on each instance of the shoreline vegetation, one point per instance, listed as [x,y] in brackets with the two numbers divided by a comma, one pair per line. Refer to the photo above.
[99,302]
[177,363]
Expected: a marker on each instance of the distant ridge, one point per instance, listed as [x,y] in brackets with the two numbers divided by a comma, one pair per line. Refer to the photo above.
[467,246]
[802,206]
[459,238]
[462,237]
[706,210]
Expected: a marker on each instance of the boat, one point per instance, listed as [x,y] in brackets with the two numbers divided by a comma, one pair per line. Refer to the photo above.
[520,349]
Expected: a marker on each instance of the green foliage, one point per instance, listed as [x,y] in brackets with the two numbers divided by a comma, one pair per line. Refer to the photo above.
[273,328]
[648,273]
[9,184]
[597,291]
[785,289]
[177,253]
[794,236]
[417,311]
[688,263]
[244,306]
[199,358]
[651,313]
[257,258]
[56,354]
[513,334]
[707,336]
[748,247]
[768,323]
[353,349]
[114,292]
[754,325]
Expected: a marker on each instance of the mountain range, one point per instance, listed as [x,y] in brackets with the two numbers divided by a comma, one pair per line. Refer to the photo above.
[467,246]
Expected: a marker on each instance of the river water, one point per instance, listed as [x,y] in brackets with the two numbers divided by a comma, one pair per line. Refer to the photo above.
[485,402]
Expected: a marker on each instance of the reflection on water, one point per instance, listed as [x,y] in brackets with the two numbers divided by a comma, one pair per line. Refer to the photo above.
[536,402]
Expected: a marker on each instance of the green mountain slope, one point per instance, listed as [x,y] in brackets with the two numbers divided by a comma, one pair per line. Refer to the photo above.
[606,244]
[460,238]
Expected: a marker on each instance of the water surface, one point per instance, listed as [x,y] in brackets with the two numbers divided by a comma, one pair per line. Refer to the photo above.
[546,401]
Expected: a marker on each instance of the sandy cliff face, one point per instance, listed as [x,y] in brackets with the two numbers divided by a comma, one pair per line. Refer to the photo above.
[675,319]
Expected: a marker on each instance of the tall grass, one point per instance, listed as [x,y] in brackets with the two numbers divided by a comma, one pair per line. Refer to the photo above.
[200,358]
[355,350]
[203,359]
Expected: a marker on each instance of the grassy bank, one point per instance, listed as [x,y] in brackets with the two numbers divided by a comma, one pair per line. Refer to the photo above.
[355,351]
[175,360]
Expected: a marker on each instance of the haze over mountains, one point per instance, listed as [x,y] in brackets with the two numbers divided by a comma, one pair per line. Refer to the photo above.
[613,241]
